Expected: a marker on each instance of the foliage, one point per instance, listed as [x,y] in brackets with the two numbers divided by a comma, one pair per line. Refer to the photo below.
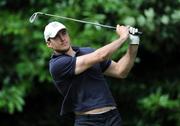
[12,98]
[24,55]
[160,105]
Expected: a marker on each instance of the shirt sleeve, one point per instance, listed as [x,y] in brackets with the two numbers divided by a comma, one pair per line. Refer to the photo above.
[105,64]
[63,67]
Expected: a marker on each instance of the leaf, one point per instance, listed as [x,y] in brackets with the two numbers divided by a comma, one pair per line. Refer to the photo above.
[163,101]
[165,19]
[129,21]
[149,13]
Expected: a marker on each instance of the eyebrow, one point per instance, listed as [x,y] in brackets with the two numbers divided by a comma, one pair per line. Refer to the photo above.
[63,30]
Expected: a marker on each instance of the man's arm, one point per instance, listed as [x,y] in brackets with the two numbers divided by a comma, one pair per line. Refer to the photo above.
[86,61]
[124,65]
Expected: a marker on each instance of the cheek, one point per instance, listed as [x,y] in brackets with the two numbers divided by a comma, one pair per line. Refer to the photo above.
[68,39]
[55,45]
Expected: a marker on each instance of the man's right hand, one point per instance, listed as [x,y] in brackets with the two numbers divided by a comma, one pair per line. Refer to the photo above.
[122,31]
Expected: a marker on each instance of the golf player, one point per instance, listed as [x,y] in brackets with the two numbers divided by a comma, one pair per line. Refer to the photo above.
[78,74]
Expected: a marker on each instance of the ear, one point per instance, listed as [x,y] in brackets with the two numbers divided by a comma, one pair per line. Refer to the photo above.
[48,43]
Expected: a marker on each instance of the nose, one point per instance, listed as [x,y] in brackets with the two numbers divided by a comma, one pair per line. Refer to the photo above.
[61,37]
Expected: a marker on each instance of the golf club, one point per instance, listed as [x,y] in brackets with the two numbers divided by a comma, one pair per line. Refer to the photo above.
[35,16]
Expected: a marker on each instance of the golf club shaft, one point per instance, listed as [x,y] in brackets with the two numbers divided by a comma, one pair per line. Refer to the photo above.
[34,16]
[81,21]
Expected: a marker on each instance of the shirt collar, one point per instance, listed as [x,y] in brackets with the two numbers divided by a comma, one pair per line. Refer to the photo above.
[76,49]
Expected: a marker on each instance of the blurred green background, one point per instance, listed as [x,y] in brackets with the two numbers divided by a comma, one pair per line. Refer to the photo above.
[149,96]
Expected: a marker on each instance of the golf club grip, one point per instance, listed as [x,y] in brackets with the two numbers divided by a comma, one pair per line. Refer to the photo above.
[137,33]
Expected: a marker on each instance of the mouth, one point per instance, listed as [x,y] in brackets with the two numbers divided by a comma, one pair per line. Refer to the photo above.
[64,44]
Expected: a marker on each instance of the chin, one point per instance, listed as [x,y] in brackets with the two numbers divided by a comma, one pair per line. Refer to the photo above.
[63,50]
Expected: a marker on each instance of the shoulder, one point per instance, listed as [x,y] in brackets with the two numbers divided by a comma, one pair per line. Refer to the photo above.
[56,58]
[62,66]
[61,61]
[86,50]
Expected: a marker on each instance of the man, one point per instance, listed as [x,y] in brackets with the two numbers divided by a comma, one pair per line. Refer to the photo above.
[78,74]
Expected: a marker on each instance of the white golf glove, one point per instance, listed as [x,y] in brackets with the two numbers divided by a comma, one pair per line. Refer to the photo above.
[134,39]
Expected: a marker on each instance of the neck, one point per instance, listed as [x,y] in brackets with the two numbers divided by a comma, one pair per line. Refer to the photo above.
[71,52]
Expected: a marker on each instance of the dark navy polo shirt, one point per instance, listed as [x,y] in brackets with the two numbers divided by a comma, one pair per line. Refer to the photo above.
[83,92]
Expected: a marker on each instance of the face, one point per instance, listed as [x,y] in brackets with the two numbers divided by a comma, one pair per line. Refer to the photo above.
[61,42]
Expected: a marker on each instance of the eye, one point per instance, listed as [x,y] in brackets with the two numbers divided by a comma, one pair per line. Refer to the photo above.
[64,32]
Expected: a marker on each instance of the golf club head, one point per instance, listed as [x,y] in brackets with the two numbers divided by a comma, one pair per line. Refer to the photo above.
[34,17]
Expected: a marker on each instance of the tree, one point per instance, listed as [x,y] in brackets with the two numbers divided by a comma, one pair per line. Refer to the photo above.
[24,55]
